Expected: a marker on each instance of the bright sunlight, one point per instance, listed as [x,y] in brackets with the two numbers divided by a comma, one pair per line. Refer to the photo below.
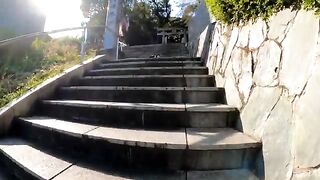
[61,14]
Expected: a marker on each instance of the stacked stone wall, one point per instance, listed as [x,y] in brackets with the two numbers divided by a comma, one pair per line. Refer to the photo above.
[271,73]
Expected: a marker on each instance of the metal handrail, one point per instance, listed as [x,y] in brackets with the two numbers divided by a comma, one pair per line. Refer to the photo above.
[36,34]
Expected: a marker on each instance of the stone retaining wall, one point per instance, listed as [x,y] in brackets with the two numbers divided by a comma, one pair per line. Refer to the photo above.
[271,73]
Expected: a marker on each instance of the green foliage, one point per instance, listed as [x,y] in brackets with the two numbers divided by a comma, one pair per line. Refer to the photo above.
[6,34]
[20,72]
[144,16]
[238,11]
[162,10]
[142,25]
[96,11]
[147,15]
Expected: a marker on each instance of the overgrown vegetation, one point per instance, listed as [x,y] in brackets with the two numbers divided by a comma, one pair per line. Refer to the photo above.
[241,11]
[23,68]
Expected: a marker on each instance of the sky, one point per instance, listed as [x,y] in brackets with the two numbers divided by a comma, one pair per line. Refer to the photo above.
[176,6]
[60,16]
[69,14]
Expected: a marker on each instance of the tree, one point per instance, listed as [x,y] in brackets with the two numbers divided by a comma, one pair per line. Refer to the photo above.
[96,12]
[142,24]
[144,16]
[162,10]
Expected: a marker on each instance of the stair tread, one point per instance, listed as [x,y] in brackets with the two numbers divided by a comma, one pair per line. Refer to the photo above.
[213,107]
[75,129]
[178,80]
[147,68]
[33,161]
[131,137]
[82,173]
[118,105]
[48,166]
[146,76]
[194,138]
[142,138]
[43,165]
[179,58]
[233,174]
[218,138]
[118,63]
[120,88]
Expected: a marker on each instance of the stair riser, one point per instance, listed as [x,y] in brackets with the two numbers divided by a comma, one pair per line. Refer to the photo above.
[150,60]
[148,64]
[143,54]
[125,156]
[149,96]
[139,118]
[6,172]
[151,82]
[149,72]
[147,51]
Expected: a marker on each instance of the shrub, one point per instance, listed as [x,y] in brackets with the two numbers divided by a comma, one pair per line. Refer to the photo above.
[20,72]
[241,11]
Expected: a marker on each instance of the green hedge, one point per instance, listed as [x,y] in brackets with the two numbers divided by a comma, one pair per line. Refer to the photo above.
[236,11]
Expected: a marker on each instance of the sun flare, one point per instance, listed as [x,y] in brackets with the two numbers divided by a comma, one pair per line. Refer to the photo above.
[61,14]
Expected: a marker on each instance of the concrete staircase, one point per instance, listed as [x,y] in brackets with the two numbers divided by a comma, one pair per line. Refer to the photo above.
[136,118]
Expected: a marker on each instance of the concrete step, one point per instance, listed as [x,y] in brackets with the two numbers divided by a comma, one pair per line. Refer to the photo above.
[143,94]
[192,149]
[120,64]
[82,173]
[165,50]
[149,80]
[234,174]
[177,58]
[141,115]
[27,161]
[149,71]
[22,156]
